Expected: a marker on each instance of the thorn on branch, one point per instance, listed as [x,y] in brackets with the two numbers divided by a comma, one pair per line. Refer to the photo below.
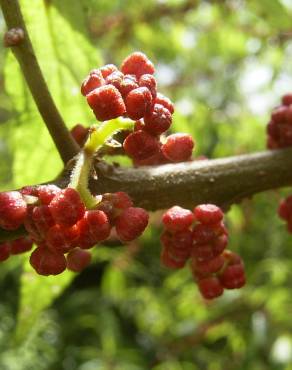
[13,37]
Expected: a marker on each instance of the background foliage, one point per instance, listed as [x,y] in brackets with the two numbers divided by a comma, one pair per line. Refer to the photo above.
[225,64]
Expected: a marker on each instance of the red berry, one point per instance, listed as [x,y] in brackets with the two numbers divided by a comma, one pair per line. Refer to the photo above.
[78,259]
[47,192]
[91,82]
[137,64]
[158,120]
[210,287]
[155,159]
[149,81]
[208,214]
[138,103]
[13,210]
[62,239]
[128,84]
[166,102]
[171,261]
[178,244]
[94,227]
[42,218]
[203,234]
[284,211]
[31,227]
[120,199]
[46,262]
[233,277]
[203,252]
[287,99]
[21,245]
[79,133]
[67,207]
[115,79]
[140,145]
[219,244]
[279,114]
[4,251]
[131,223]
[178,147]
[108,69]
[106,102]
[177,218]
[203,268]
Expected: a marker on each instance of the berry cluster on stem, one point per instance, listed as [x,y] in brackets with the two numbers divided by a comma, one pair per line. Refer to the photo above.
[201,237]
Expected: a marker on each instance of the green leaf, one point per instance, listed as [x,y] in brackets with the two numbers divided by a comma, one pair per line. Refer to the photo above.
[59,37]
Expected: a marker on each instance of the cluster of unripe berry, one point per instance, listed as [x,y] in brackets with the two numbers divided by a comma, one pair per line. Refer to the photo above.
[279,128]
[63,230]
[201,237]
[279,132]
[131,92]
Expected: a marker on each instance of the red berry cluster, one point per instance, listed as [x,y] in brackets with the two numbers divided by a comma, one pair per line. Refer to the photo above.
[202,237]
[62,228]
[16,246]
[285,212]
[132,92]
[279,128]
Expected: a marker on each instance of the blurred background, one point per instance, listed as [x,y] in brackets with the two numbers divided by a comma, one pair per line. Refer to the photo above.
[225,64]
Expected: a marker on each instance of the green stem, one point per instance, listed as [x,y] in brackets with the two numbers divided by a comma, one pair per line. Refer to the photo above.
[81,173]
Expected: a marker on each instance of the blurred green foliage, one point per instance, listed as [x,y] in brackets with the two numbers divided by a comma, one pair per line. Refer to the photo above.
[225,64]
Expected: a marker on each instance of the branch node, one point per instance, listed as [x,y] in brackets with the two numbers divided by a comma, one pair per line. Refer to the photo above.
[13,37]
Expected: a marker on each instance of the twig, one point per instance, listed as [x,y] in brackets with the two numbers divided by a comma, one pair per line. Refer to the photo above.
[25,55]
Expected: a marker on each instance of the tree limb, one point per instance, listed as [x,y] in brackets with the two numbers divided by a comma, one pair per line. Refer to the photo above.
[26,58]
[221,181]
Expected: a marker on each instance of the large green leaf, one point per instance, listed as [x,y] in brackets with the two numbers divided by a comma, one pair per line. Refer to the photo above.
[65,56]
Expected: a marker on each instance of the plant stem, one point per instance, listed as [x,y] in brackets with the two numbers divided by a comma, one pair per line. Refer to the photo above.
[97,138]
[27,60]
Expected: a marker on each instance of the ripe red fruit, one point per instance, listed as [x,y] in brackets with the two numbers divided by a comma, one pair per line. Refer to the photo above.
[177,219]
[4,251]
[115,79]
[21,245]
[79,133]
[170,260]
[91,82]
[120,199]
[131,223]
[287,99]
[94,227]
[203,234]
[67,207]
[42,218]
[108,69]
[178,147]
[46,193]
[203,252]
[203,268]
[62,239]
[233,277]
[149,81]
[106,102]
[140,145]
[137,64]
[138,103]
[279,114]
[158,120]
[128,84]
[78,259]
[210,287]
[208,214]
[179,244]
[46,262]
[13,210]
[166,102]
